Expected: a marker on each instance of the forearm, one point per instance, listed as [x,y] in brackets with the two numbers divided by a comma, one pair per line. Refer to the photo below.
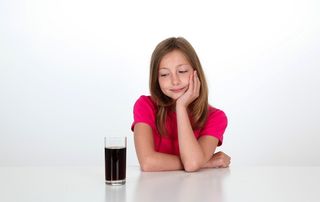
[149,159]
[160,162]
[191,152]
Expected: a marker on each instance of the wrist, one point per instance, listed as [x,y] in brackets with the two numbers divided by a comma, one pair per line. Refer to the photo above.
[180,107]
[208,164]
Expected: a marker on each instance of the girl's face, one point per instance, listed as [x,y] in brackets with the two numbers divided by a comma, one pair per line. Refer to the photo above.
[174,74]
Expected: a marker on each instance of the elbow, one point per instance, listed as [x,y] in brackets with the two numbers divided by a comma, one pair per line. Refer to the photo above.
[146,165]
[192,166]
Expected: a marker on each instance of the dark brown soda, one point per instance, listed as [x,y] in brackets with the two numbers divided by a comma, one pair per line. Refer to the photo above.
[115,163]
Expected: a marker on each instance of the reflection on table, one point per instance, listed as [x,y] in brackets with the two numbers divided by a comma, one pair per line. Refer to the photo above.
[263,184]
[180,186]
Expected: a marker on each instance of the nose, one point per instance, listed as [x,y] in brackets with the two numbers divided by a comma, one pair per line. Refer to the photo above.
[175,79]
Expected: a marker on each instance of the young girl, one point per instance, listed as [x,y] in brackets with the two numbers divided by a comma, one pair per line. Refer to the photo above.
[175,128]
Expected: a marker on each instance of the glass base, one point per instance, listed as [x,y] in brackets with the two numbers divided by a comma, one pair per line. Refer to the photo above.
[116,182]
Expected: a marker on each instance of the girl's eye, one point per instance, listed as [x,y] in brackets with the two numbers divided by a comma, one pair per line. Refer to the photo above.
[182,72]
[163,75]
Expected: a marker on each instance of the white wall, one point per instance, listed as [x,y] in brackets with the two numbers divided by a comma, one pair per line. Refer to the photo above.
[70,72]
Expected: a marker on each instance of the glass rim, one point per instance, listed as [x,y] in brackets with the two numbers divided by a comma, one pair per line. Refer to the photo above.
[121,141]
[115,137]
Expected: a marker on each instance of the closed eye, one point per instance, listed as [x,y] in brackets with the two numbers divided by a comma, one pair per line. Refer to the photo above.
[163,75]
[181,72]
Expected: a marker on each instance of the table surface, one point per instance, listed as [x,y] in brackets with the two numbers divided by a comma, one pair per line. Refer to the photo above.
[261,184]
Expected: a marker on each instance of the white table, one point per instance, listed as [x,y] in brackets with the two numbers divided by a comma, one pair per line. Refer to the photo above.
[234,184]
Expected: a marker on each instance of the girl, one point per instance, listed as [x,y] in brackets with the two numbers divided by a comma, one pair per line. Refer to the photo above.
[175,128]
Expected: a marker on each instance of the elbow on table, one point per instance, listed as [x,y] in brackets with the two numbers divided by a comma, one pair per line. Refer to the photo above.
[192,166]
[145,168]
[146,165]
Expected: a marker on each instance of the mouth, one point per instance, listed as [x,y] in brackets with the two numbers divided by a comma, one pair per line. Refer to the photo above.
[177,90]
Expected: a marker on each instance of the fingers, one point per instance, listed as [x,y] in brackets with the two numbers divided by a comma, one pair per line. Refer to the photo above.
[196,85]
[222,159]
[192,92]
[191,83]
[227,159]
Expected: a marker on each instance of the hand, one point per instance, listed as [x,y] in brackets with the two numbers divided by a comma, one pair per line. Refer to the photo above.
[192,93]
[219,160]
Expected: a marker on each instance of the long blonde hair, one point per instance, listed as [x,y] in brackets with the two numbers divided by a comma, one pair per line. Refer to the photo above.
[198,109]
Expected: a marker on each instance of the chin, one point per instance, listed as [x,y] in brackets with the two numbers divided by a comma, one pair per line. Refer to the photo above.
[176,96]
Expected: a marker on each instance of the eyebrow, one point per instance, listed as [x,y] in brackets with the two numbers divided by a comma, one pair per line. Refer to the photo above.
[176,66]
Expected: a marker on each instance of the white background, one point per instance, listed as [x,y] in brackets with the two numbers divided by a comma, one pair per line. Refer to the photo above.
[71,70]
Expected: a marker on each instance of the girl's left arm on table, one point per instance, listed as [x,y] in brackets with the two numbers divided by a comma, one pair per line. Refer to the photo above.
[194,153]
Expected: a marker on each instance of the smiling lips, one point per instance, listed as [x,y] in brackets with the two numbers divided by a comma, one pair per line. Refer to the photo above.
[177,90]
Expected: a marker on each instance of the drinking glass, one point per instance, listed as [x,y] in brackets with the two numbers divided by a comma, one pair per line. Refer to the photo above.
[115,150]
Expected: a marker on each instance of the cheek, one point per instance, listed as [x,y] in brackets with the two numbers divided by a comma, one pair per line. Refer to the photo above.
[185,78]
[162,83]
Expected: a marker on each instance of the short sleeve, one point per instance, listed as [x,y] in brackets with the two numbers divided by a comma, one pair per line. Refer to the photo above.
[144,111]
[215,125]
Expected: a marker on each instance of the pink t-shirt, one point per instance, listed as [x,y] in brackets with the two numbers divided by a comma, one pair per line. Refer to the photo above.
[145,112]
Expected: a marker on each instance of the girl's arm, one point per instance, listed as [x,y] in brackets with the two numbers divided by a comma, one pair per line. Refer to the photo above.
[194,153]
[149,159]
